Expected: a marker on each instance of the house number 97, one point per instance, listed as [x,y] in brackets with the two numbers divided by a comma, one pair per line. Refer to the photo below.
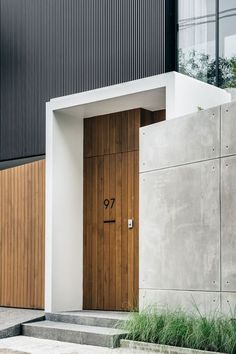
[109,203]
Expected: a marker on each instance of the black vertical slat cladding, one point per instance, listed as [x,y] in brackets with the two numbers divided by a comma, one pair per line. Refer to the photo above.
[51,48]
[170,35]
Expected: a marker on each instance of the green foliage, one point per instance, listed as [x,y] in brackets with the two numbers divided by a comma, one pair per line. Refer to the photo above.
[202,67]
[180,329]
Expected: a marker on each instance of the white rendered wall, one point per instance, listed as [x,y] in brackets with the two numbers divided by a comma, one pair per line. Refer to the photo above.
[232,92]
[64,213]
[188,94]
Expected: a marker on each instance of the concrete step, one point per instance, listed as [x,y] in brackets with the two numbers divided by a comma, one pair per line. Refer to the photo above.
[109,319]
[74,333]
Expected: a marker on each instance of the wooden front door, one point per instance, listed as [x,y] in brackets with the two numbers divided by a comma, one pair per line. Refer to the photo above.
[111,193]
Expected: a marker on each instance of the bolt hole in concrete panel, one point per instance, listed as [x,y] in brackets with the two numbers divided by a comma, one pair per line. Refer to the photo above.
[228,223]
[180,228]
[228,129]
[228,303]
[182,140]
[192,301]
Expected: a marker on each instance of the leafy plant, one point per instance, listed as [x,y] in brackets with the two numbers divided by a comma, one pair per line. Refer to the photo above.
[203,67]
[178,328]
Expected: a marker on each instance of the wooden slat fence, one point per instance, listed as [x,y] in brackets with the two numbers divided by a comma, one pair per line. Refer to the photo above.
[22,235]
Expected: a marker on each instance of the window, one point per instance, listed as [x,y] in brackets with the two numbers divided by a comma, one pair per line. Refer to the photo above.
[197,39]
[227,43]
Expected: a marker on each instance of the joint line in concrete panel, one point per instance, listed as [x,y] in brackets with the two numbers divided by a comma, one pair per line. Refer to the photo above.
[176,166]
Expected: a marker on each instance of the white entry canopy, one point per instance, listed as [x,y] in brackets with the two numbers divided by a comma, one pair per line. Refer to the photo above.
[175,92]
[178,94]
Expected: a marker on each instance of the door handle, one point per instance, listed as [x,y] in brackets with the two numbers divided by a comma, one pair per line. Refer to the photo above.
[130,223]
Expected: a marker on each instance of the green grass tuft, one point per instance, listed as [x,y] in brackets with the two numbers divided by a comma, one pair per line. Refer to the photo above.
[180,329]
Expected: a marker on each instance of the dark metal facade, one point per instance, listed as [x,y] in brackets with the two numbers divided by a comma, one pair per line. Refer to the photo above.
[51,48]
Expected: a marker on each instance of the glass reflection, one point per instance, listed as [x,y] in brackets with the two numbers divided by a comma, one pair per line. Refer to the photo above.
[227,43]
[197,28]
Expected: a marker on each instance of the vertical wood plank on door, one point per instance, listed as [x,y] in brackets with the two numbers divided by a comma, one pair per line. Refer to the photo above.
[131,232]
[124,232]
[87,141]
[124,130]
[22,208]
[118,246]
[112,236]
[159,116]
[106,261]
[112,133]
[118,134]
[100,218]
[94,238]
[106,134]
[85,232]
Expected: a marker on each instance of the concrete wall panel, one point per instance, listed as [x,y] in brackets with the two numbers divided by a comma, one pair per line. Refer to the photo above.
[179,228]
[228,223]
[179,141]
[228,304]
[228,129]
[193,301]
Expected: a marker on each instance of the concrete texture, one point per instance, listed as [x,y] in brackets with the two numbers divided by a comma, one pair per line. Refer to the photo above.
[108,319]
[195,137]
[23,345]
[228,128]
[188,211]
[158,348]
[74,333]
[228,222]
[204,302]
[11,319]
[180,221]
[228,304]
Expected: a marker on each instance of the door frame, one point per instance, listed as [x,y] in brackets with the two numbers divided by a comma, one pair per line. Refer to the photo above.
[64,216]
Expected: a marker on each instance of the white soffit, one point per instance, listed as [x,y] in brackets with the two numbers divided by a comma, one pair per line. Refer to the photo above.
[151,100]
[148,93]
[175,92]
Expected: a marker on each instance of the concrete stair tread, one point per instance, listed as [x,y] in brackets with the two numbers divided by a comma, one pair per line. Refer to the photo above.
[99,314]
[89,318]
[77,328]
[75,333]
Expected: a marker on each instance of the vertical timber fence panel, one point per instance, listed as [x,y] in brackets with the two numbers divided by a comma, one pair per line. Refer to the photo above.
[22,235]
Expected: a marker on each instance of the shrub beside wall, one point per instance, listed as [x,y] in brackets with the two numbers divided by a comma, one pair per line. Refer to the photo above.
[217,334]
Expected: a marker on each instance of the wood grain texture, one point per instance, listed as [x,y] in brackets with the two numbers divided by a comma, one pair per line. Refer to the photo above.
[112,133]
[110,249]
[111,170]
[22,235]
[148,117]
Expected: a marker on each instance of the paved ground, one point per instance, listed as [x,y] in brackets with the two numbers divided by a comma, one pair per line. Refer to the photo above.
[10,319]
[29,345]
